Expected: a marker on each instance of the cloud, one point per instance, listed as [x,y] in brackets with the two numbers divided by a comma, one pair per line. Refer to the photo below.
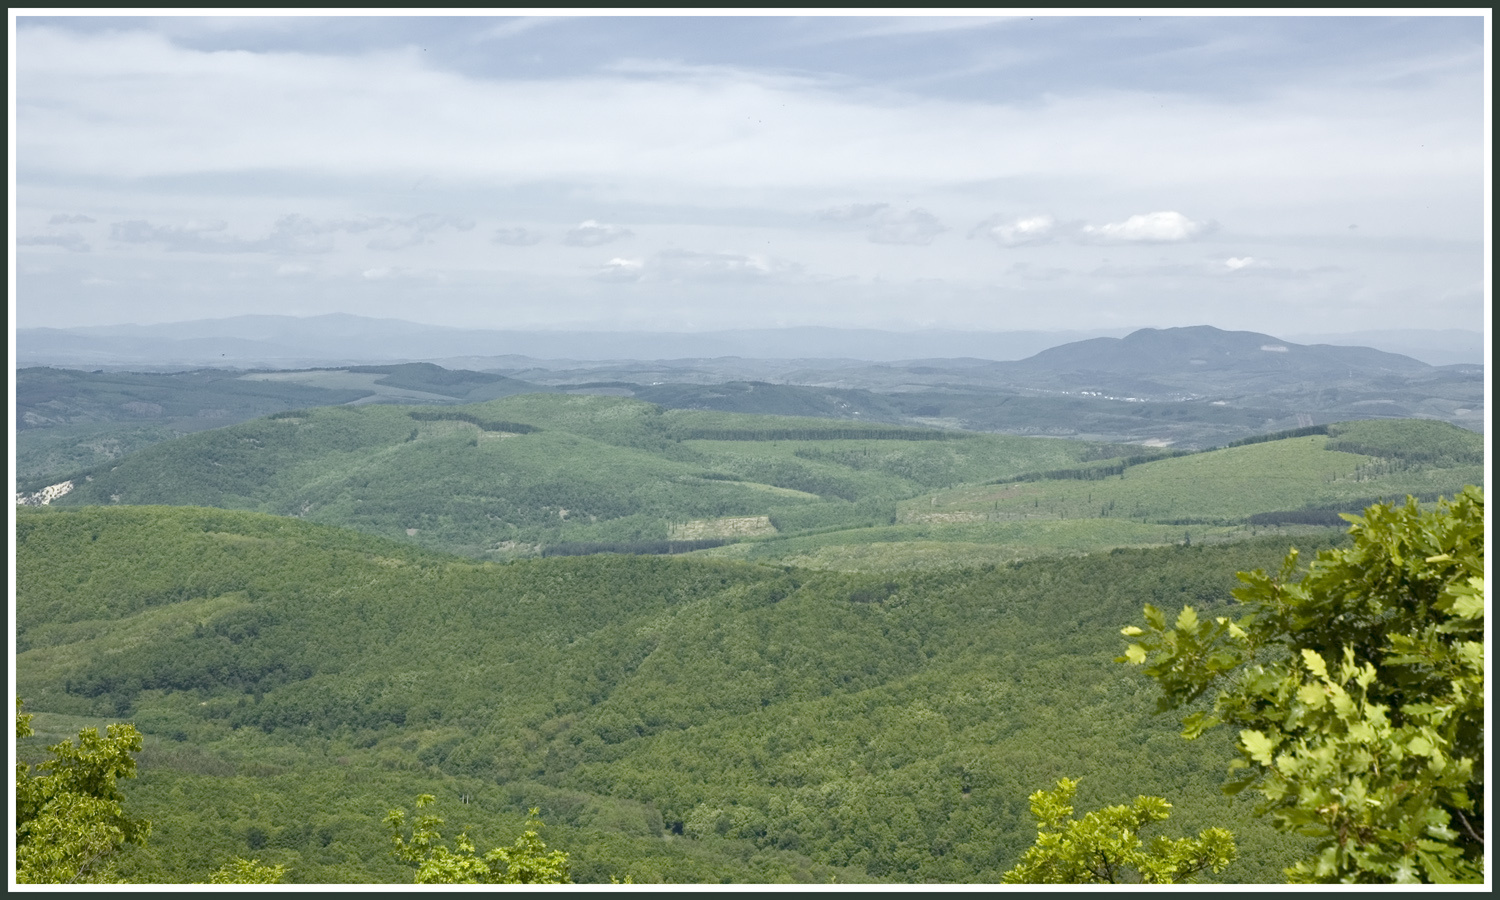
[513,27]
[1157,227]
[768,154]
[917,226]
[886,225]
[516,237]
[692,266]
[1239,262]
[591,234]
[620,269]
[922,25]
[1026,230]
[123,102]
[417,230]
[851,212]
[69,219]
[688,265]
[189,237]
[290,234]
[294,234]
[70,241]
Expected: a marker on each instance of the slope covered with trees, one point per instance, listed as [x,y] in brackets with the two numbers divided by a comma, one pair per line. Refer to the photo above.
[673,719]
[561,474]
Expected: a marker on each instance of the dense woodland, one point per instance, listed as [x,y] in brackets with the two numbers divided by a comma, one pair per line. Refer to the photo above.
[882,642]
[673,719]
[512,477]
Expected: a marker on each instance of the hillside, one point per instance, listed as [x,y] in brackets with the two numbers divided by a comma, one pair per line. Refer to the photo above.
[539,470]
[675,719]
[69,420]
[532,474]
[1201,350]
[1190,388]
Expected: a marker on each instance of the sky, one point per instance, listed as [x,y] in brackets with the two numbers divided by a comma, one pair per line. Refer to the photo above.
[1277,174]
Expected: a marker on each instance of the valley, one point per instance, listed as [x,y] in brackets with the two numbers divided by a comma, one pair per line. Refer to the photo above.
[675,719]
[709,640]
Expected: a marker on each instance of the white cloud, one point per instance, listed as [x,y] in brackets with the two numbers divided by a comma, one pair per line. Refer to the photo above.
[1025,230]
[620,269]
[128,103]
[1239,262]
[1154,227]
[591,234]
[152,132]
[696,267]
[69,219]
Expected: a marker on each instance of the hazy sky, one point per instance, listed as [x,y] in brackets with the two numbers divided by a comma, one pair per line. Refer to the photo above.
[1284,175]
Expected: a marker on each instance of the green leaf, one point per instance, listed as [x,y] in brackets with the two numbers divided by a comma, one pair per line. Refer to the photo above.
[1258,746]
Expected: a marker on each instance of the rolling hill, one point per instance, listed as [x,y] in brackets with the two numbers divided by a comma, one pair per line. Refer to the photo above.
[675,719]
[559,473]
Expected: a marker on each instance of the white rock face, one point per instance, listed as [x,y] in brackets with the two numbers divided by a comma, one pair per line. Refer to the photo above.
[45,495]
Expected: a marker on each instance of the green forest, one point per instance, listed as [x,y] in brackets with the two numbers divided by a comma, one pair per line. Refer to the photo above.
[703,646]
[529,475]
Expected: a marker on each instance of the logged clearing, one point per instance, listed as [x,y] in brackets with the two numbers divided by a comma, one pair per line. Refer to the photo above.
[727,527]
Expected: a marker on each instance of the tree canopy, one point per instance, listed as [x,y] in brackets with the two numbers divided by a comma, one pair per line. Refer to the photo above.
[1358,690]
[1105,847]
[69,820]
[527,861]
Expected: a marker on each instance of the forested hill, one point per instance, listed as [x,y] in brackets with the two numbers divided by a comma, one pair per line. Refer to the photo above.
[1200,350]
[539,469]
[557,473]
[674,719]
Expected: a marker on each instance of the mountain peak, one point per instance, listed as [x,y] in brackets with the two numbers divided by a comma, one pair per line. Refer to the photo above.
[1203,348]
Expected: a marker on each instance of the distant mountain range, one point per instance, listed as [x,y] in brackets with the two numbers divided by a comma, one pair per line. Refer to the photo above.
[1183,387]
[292,342]
[288,342]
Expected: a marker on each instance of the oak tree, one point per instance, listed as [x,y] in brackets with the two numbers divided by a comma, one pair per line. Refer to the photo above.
[68,816]
[527,861]
[1105,846]
[1357,690]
